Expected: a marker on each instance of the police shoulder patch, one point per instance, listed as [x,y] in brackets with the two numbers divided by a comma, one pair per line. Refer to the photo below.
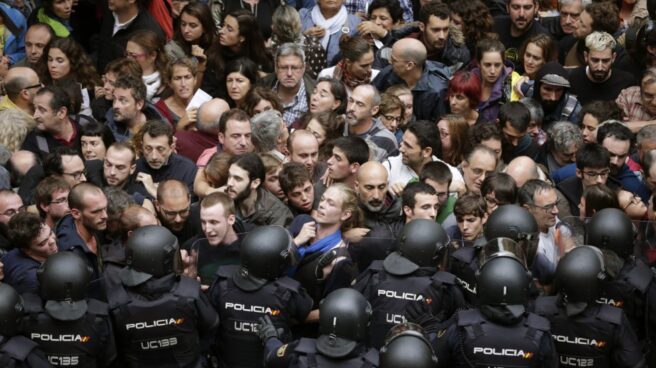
[441,333]
[281,351]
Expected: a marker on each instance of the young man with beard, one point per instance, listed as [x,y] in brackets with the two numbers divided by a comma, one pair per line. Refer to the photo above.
[10,204]
[513,122]
[517,27]
[438,35]
[51,197]
[254,204]
[173,207]
[598,80]
[296,184]
[551,90]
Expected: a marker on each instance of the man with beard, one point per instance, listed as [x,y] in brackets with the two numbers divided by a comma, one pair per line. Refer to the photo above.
[51,197]
[173,207]
[569,12]
[254,204]
[443,43]
[513,122]
[10,204]
[598,80]
[82,231]
[382,215]
[517,27]
[130,110]
[551,90]
[290,82]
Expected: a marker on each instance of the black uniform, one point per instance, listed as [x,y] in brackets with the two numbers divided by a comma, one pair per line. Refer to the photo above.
[475,340]
[157,323]
[303,354]
[21,352]
[464,264]
[599,336]
[238,344]
[85,342]
[390,294]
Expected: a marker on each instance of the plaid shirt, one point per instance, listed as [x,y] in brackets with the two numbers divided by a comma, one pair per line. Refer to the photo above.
[356,6]
[295,109]
[630,102]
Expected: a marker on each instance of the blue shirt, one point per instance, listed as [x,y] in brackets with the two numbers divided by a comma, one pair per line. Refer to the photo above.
[20,271]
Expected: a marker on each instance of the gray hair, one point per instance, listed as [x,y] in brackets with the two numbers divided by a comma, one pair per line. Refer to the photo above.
[564,134]
[647,132]
[600,41]
[375,98]
[291,49]
[584,3]
[537,113]
[265,128]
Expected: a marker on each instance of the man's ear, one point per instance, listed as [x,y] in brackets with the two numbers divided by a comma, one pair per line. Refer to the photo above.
[76,213]
[427,152]
[140,104]
[62,113]
[484,219]
[614,56]
[255,183]
[231,219]
[585,56]
[346,215]
[133,168]
[579,174]
[221,138]
[354,167]
[422,26]
[374,110]
[407,211]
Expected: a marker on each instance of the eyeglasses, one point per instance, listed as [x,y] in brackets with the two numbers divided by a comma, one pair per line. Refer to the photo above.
[39,85]
[60,200]
[77,175]
[594,174]
[393,118]
[547,207]
[293,68]
[174,214]
[12,211]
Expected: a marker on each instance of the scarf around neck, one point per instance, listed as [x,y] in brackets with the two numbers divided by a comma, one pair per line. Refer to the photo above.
[152,82]
[332,25]
[351,81]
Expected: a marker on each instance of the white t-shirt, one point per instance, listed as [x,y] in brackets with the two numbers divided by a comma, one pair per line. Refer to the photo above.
[399,172]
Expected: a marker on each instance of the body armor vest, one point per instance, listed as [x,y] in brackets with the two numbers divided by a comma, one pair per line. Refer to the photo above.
[308,357]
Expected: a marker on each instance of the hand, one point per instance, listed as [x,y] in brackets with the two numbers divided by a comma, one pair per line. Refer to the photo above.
[199,53]
[189,262]
[99,91]
[267,329]
[308,231]
[315,31]
[326,179]
[420,313]
[147,182]
[397,188]
[518,85]
[369,27]
[355,235]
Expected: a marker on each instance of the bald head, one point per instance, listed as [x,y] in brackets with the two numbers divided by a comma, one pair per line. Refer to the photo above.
[371,185]
[18,79]
[209,115]
[522,169]
[410,49]
[303,148]
[171,189]
[135,217]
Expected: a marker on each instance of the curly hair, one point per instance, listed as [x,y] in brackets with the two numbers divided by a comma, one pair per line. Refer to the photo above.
[605,16]
[477,22]
[81,67]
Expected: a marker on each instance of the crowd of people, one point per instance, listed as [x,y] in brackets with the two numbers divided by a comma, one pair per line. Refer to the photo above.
[254,183]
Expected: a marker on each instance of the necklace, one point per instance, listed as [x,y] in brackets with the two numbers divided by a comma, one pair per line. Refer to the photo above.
[253,5]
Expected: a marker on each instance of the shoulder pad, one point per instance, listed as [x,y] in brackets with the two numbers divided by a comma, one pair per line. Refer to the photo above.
[445,278]
[97,307]
[19,347]
[306,346]
[546,306]
[610,314]
[376,266]
[464,254]
[32,303]
[288,283]
[372,357]
[226,272]
[640,276]
[469,317]
[187,288]
[117,296]
[538,322]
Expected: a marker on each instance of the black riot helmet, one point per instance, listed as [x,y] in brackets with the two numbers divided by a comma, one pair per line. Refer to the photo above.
[152,251]
[421,243]
[503,281]
[516,223]
[344,316]
[64,279]
[579,274]
[611,229]
[406,345]
[11,310]
[265,254]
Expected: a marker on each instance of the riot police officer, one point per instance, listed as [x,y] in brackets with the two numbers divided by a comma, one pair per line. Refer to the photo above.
[409,275]
[71,330]
[587,334]
[344,316]
[406,345]
[15,350]
[508,221]
[630,283]
[500,332]
[158,315]
[257,287]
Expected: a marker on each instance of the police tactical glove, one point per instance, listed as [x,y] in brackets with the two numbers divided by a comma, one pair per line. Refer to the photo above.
[420,313]
[268,330]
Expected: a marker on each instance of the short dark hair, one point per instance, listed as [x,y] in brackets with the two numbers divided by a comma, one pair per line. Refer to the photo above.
[601,110]
[292,175]
[392,6]
[95,129]
[24,227]
[470,203]
[252,163]
[502,185]
[45,188]
[592,155]
[135,85]
[605,16]
[52,165]
[409,194]
[516,114]
[338,91]
[597,197]
[232,114]
[526,194]
[435,8]
[483,132]
[436,171]
[355,149]
[76,195]
[157,128]
[427,135]
[60,98]
[614,129]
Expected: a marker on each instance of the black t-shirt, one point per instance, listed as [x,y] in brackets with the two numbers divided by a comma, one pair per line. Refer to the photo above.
[587,90]
[211,258]
[513,44]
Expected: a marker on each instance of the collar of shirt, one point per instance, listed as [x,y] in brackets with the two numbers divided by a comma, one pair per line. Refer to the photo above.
[119,26]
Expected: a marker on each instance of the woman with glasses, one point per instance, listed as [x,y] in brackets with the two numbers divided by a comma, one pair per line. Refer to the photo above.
[355,66]
[498,189]
[147,49]
[454,135]
[632,205]
[65,64]
[391,113]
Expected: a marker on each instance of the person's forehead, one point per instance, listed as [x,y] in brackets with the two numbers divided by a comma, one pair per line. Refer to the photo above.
[37,33]
[434,21]
[421,198]
[123,92]
[521,2]
[603,54]
[114,154]
[362,94]
[545,196]
[215,210]
[161,140]
[304,142]
[236,170]
[9,199]
[72,161]
[372,176]
[614,145]
[302,187]
[90,138]
[573,6]
[238,126]
[289,59]
[482,159]
[94,199]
